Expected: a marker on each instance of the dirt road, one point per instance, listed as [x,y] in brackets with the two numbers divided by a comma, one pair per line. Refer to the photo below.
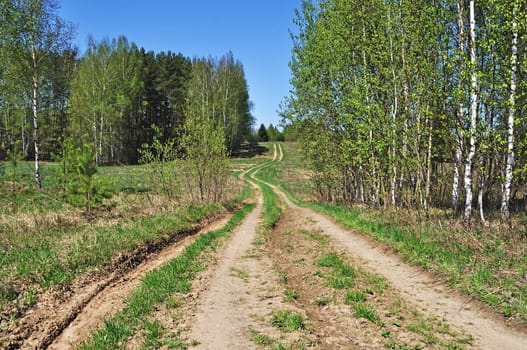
[235,293]
[261,276]
[223,318]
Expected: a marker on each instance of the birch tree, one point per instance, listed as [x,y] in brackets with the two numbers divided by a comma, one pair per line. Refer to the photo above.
[505,214]
[203,142]
[40,32]
[473,113]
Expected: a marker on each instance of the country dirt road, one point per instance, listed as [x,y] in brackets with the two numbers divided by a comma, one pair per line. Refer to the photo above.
[223,317]
[259,276]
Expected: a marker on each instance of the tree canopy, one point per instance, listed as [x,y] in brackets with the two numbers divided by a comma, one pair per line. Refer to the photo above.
[412,103]
[115,96]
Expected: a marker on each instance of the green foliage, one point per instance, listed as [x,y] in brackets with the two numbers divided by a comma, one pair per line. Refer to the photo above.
[381,110]
[262,134]
[290,295]
[79,168]
[14,156]
[100,104]
[204,146]
[160,159]
[274,135]
[354,297]
[272,211]
[259,338]
[288,321]
[366,311]
[46,262]
[34,40]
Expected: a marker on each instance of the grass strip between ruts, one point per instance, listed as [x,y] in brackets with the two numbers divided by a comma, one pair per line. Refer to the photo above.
[156,287]
[271,210]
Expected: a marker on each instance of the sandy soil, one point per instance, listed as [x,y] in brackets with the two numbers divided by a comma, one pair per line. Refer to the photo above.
[242,291]
[334,324]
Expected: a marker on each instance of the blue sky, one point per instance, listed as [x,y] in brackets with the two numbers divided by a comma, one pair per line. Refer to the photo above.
[256,31]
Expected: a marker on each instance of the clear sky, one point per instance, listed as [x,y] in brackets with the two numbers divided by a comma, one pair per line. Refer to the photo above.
[256,31]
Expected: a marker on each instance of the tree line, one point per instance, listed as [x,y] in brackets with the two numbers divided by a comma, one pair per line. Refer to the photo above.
[415,103]
[116,97]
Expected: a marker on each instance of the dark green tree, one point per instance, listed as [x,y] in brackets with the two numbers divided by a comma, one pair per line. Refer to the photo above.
[262,134]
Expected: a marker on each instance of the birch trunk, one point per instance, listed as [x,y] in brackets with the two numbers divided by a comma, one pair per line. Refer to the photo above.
[457,166]
[38,180]
[395,106]
[505,214]
[473,115]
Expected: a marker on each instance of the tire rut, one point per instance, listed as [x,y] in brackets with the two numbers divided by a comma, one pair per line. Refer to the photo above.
[58,321]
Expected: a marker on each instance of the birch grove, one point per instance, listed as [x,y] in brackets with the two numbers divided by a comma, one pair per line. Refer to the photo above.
[116,96]
[424,102]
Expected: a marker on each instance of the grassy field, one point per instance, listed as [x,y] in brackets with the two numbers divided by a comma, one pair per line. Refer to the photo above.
[482,262]
[45,242]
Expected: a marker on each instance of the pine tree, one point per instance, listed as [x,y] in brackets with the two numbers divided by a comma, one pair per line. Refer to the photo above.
[262,133]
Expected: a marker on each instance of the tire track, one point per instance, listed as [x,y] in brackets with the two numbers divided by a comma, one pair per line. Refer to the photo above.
[58,323]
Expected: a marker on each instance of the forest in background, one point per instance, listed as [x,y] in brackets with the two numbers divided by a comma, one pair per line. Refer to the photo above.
[413,104]
[117,97]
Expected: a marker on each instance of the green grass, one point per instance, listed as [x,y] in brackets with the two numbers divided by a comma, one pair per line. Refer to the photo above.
[260,338]
[291,295]
[156,287]
[271,211]
[51,259]
[480,277]
[45,242]
[364,310]
[354,297]
[19,193]
[288,321]
[330,260]
[342,275]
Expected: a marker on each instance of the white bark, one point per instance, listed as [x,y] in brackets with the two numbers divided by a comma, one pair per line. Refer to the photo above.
[395,106]
[38,180]
[510,127]
[473,114]
[457,165]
